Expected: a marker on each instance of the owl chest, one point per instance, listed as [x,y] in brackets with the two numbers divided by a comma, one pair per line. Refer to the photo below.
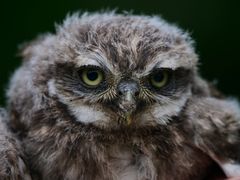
[130,163]
[125,163]
[92,160]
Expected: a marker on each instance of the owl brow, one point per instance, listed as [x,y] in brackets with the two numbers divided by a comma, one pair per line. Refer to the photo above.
[158,66]
[101,60]
[77,66]
[170,64]
[103,65]
[149,69]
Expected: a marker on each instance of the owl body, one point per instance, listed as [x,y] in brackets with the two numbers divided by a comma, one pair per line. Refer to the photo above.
[113,96]
[107,158]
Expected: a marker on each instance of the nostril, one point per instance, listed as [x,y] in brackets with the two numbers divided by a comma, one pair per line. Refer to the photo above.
[120,93]
[136,93]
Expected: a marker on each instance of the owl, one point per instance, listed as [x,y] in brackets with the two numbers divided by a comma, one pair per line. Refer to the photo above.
[116,97]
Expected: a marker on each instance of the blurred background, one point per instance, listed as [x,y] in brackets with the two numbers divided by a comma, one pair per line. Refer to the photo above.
[214,24]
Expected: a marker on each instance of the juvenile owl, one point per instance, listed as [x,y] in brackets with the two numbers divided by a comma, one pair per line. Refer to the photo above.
[118,97]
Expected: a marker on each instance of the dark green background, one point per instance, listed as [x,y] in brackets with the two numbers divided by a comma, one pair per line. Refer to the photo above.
[214,25]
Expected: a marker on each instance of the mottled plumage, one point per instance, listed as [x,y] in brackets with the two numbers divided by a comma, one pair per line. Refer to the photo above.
[12,165]
[119,97]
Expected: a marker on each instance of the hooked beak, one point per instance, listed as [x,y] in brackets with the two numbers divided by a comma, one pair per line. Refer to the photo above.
[128,91]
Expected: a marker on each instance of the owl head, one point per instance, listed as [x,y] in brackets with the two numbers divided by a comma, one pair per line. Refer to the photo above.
[107,70]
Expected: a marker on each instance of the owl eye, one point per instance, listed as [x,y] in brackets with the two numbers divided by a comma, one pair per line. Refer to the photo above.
[159,79]
[92,76]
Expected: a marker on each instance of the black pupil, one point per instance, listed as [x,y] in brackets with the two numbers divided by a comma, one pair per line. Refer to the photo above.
[158,77]
[92,75]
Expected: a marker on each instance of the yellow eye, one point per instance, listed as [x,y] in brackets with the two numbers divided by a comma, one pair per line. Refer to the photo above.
[92,76]
[159,79]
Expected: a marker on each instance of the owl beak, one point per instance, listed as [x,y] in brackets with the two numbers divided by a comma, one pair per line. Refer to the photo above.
[128,106]
[128,92]
[128,118]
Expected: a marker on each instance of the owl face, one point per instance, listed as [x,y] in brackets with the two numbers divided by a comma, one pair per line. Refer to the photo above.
[114,70]
[95,94]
